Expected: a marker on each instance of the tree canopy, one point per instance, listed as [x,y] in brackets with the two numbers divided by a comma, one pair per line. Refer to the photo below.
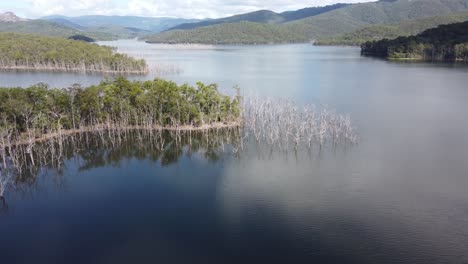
[117,103]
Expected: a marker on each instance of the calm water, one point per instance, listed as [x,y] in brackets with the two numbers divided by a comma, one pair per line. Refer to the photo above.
[400,196]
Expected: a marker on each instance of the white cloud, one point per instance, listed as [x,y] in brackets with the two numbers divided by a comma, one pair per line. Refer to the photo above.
[173,8]
[70,7]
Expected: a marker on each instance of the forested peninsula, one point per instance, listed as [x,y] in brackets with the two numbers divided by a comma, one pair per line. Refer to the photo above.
[444,43]
[30,52]
[31,114]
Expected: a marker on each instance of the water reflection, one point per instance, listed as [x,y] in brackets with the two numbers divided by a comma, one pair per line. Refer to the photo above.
[3,205]
[25,165]
[205,195]
[110,148]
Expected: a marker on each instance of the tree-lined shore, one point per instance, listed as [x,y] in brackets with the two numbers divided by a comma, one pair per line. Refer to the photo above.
[444,43]
[29,52]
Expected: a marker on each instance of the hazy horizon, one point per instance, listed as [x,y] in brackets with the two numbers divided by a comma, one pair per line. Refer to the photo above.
[151,8]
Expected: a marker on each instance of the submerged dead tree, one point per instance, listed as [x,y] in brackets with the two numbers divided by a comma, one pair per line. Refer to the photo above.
[267,126]
[284,123]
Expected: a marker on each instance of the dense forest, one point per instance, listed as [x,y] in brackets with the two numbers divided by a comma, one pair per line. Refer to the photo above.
[19,51]
[38,110]
[391,31]
[444,43]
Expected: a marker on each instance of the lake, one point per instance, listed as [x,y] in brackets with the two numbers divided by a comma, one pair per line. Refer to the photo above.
[399,196]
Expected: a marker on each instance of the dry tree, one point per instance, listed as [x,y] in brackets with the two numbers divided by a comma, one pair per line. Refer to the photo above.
[283,123]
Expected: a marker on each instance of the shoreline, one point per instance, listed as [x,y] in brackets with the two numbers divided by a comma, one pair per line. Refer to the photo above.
[104,127]
[228,44]
[54,69]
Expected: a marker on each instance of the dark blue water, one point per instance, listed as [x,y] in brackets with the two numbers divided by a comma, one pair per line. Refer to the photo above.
[397,197]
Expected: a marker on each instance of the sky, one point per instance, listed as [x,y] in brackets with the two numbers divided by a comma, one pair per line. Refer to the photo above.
[156,8]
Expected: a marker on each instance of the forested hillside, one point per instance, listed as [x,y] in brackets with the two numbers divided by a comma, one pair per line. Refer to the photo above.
[390,31]
[444,43]
[262,16]
[231,33]
[18,51]
[329,24]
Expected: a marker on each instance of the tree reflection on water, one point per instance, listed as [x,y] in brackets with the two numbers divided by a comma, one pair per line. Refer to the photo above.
[22,166]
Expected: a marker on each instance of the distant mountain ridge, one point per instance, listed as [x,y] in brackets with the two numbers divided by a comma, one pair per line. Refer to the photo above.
[9,22]
[66,23]
[154,24]
[330,23]
[262,16]
[370,19]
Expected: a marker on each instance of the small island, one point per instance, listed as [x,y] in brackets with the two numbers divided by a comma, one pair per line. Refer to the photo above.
[30,52]
[28,115]
[444,43]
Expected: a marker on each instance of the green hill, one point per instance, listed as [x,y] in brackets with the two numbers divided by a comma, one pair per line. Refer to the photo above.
[50,29]
[231,33]
[329,24]
[444,43]
[262,16]
[390,31]
[30,52]
[310,11]
[382,12]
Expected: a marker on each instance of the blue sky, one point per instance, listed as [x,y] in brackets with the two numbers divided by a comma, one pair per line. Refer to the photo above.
[155,8]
